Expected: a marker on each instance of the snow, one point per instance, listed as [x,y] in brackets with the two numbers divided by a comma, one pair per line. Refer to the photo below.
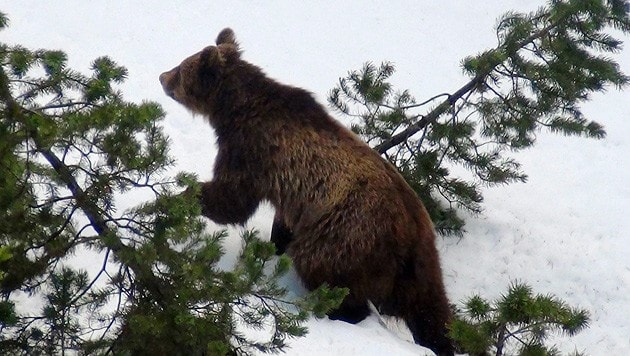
[564,232]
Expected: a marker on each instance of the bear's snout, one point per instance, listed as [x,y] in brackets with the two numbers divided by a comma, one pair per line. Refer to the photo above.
[163,78]
[166,79]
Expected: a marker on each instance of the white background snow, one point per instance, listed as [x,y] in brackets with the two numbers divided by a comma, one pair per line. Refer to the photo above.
[566,231]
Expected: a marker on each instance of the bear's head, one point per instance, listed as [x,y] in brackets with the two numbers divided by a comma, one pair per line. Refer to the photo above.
[196,81]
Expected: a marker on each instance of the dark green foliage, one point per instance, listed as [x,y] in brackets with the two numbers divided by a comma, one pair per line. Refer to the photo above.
[518,323]
[70,146]
[546,63]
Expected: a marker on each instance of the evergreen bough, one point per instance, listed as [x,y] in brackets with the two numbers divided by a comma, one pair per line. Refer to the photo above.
[545,65]
[70,147]
[517,323]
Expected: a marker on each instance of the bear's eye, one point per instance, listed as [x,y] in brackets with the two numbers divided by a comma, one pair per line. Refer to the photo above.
[208,76]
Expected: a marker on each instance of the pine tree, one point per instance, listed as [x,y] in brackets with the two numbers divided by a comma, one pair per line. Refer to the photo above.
[517,323]
[70,147]
[546,63]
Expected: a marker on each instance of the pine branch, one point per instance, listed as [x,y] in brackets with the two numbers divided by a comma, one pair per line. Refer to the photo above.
[473,84]
[88,207]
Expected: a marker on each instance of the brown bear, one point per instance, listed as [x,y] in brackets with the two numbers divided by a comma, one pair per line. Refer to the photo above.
[344,214]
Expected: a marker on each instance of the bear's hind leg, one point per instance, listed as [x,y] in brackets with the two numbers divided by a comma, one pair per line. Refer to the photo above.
[430,332]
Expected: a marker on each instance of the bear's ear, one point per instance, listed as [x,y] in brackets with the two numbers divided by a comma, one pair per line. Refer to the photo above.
[228,47]
[226,36]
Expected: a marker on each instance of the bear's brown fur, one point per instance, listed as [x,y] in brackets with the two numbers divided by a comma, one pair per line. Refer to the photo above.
[344,214]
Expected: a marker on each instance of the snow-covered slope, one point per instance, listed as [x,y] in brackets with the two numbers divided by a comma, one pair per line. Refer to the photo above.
[564,232]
